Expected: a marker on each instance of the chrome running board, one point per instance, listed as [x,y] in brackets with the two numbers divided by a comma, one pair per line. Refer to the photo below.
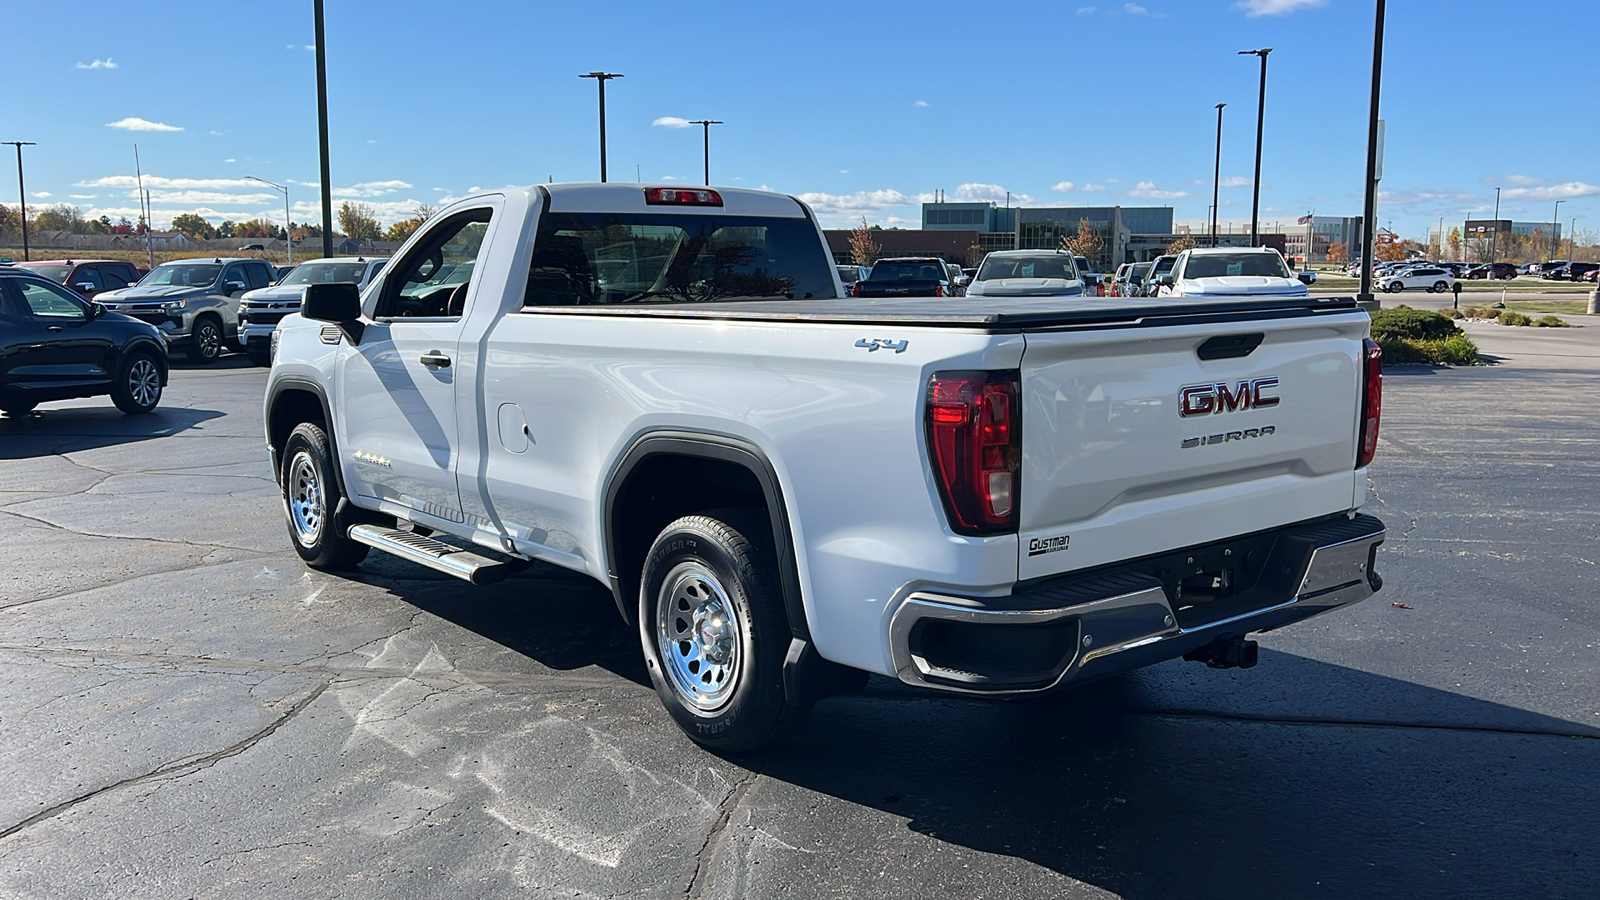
[437,555]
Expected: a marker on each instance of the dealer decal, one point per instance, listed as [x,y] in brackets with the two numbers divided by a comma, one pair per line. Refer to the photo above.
[1041,546]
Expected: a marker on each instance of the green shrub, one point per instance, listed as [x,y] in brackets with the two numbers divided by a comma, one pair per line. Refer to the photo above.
[1490,313]
[1455,350]
[1551,322]
[1415,324]
[1512,317]
[1453,313]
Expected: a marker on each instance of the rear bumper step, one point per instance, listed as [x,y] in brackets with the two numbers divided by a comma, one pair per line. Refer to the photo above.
[437,555]
[1078,628]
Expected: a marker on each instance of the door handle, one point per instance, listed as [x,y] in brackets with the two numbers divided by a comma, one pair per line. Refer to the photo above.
[55,328]
[433,359]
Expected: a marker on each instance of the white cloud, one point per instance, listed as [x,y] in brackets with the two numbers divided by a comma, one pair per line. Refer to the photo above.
[1236,181]
[98,64]
[1062,186]
[309,47]
[215,133]
[436,189]
[1253,8]
[1518,180]
[1093,188]
[1134,9]
[83,196]
[370,141]
[1148,190]
[922,103]
[1565,191]
[157,181]
[670,178]
[134,123]
[1112,180]
[209,197]
[671,122]
[474,189]
[41,194]
[288,46]
[845,209]
[1085,10]
[977,192]
[230,160]
[841,172]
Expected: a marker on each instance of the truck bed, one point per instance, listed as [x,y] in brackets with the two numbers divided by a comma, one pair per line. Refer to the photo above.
[991,314]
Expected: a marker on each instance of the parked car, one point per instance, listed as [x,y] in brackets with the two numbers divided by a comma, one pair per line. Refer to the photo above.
[1549,268]
[909,276]
[1091,278]
[55,345]
[849,275]
[1130,279]
[194,302]
[1590,275]
[791,491]
[1528,269]
[256,247]
[1578,271]
[281,272]
[260,310]
[1161,265]
[89,277]
[1503,271]
[1027,273]
[1429,278]
[1231,272]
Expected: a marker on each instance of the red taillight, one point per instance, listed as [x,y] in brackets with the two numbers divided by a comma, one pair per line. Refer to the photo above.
[1372,402]
[682,197]
[975,444]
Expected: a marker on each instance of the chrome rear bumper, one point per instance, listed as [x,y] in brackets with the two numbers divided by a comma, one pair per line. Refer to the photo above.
[1078,628]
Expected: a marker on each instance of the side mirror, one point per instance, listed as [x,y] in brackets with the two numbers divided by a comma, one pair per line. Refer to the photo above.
[96,310]
[84,287]
[1308,277]
[1167,280]
[1091,280]
[338,304]
[232,287]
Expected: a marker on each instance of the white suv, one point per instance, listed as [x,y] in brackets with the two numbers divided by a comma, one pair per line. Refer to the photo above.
[1228,272]
[1433,279]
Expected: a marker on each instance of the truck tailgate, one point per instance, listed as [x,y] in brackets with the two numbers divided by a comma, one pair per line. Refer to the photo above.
[1133,444]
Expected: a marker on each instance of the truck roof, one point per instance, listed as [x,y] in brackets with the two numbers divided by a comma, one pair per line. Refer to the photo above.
[625,198]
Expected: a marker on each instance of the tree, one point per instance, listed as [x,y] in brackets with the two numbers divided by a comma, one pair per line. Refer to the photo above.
[425,212]
[306,231]
[1337,252]
[402,229]
[1389,251]
[863,249]
[225,230]
[194,226]
[1187,242]
[61,217]
[101,225]
[8,218]
[1455,243]
[255,228]
[1086,243]
[359,221]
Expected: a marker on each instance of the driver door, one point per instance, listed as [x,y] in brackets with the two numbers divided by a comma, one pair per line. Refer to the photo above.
[397,393]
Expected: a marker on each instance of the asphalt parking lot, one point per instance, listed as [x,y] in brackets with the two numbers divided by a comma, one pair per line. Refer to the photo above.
[188,712]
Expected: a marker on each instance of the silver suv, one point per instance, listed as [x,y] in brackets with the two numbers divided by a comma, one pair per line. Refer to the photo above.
[263,309]
[193,301]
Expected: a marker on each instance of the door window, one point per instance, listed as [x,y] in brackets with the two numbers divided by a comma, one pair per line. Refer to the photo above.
[115,278]
[89,275]
[257,275]
[46,301]
[433,279]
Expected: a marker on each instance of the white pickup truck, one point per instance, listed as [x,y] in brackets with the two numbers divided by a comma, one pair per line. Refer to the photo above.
[786,488]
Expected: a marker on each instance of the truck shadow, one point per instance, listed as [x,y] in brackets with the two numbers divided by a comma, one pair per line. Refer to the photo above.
[51,430]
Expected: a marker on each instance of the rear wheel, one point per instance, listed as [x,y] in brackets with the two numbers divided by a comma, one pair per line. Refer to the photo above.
[1439,287]
[138,388]
[713,630]
[205,341]
[310,498]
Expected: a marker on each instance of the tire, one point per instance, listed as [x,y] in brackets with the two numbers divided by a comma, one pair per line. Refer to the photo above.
[205,341]
[1439,287]
[1394,287]
[138,386]
[713,630]
[259,357]
[310,497]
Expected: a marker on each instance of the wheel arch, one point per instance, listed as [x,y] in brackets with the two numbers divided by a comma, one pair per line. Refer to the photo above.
[630,518]
[290,401]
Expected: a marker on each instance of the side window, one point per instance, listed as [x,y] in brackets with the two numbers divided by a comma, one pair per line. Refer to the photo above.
[89,275]
[257,275]
[232,274]
[115,277]
[46,301]
[432,280]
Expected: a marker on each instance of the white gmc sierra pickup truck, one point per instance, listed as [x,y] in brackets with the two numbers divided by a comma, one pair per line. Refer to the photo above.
[786,488]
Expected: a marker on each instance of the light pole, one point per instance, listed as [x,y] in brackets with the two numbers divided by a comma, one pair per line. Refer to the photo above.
[1216,176]
[1370,206]
[601,78]
[1555,228]
[288,239]
[22,195]
[706,126]
[322,134]
[1494,233]
[1261,121]
[1572,237]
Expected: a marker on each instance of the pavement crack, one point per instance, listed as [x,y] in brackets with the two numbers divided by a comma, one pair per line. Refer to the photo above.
[1400,542]
[175,769]
[125,537]
[202,564]
[731,803]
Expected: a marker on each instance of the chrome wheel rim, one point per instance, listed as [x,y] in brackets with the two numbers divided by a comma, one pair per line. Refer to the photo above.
[210,340]
[307,508]
[144,382]
[700,637]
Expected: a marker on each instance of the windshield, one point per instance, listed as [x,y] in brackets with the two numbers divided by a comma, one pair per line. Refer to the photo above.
[326,273]
[1225,265]
[1045,265]
[910,270]
[849,274]
[1163,265]
[1139,271]
[182,275]
[58,274]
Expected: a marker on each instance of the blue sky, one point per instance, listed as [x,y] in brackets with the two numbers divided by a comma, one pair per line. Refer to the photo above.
[862,107]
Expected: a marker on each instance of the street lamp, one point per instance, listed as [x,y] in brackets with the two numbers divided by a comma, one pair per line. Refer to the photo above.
[706,126]
[288,238]
[22,195]
[601,78]
[1572,237]
[1555,228]
[322,133]
[1216,177]
[1370,207]
[1494,232]
[1261,120]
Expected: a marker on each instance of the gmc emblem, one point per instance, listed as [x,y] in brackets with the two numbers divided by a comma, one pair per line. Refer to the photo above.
[1208,399]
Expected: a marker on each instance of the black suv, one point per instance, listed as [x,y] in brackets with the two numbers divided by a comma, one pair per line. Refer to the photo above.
[55,345]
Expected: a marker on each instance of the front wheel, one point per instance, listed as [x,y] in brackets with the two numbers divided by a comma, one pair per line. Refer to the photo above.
[714,634]
[1440,287]
[205,341]
[138,388]
[310,499]
[1394,287]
